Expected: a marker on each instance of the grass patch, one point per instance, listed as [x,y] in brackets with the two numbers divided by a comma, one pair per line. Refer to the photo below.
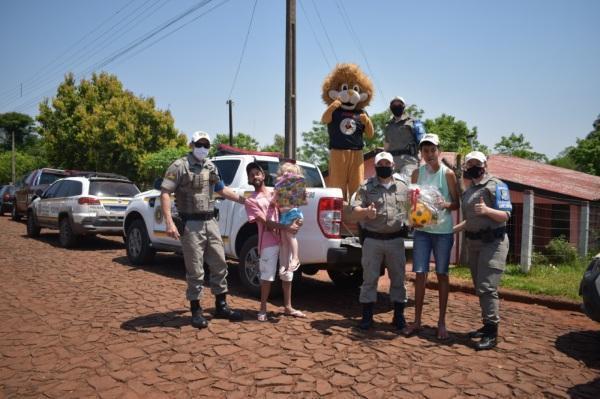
[560,280]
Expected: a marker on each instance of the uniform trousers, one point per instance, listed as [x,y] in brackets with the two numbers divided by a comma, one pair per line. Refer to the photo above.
[392,253]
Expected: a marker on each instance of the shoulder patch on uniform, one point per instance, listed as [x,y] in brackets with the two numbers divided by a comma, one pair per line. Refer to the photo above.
[502,197]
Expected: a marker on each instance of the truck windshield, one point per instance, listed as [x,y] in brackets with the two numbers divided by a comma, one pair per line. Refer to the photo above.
[311,174]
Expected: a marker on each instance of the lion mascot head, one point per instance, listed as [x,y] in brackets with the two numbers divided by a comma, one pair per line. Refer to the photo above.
[349,84]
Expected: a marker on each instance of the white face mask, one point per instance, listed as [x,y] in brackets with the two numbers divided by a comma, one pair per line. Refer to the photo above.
[200,153]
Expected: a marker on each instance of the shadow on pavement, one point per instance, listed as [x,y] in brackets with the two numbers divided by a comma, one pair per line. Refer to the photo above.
[583,346]
[85,243]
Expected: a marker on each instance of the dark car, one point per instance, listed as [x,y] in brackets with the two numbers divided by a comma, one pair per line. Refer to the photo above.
[7,198]
[33,184]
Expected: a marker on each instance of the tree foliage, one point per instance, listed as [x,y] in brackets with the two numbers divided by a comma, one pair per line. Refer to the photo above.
[23,127]
[240,140]
[316,146]
[585,155]
[24,162]
[277,146]
[454,134]
[154,164]
[98,125]
[517,146]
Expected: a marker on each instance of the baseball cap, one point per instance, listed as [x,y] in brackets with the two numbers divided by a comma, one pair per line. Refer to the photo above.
[430,138]
[398,98]
[478,155]
[383,155]
[253,165]
[200,135]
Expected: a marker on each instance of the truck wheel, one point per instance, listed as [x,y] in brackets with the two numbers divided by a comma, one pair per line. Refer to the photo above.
[349,279]
[139,251]
[66,237]
[33,230]
[248,266]
[15,215]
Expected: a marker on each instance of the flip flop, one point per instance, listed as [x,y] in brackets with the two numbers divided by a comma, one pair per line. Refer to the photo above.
[295,313]
[262,316]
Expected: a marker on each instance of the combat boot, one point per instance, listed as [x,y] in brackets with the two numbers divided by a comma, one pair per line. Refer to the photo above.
[489,338]
[198,320]
[222,310]
[477,333]
[367,316]
[399,321]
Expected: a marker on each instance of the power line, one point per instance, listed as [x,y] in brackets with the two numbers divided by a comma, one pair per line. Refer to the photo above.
[314,34]
[325,30]
[237,71]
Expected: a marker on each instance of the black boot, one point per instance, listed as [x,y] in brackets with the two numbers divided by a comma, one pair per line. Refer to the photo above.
[198,320]
[477,333]
[222,310]
[367,316]
[489,338]
[399,321]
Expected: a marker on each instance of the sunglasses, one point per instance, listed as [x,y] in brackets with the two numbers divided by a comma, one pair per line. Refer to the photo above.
[199,144]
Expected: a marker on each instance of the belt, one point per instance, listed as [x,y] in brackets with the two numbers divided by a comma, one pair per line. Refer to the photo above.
[401,152]
[383,236]
[486,235]
[197,216]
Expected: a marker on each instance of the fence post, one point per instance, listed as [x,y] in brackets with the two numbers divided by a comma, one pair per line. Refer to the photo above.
[527,231]
[584,228]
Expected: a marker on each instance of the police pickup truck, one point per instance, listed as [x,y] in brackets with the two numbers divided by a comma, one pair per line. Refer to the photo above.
[321,244]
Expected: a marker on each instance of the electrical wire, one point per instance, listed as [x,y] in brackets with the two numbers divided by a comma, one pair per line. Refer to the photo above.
[237,70]
[325,30]
[314,34]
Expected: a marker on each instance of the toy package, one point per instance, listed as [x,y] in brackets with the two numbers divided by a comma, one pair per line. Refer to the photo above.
[291,190]
[425,206]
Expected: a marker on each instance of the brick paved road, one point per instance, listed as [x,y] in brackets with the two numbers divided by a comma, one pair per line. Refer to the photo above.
[83,323]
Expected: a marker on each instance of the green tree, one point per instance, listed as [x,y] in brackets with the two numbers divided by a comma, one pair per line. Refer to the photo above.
[517,146]
[454,134]
[240,140]
[23,127]
[154,164]
[316,146]
[24,162]
[98,125]
[564,160]
[277,146]
[585,155]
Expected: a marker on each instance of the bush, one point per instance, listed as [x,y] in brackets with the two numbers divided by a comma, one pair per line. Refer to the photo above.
[538,258]
[560,251]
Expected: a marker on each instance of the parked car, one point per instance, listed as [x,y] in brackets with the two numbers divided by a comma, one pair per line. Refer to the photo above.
[144,226]
[589,289]
[91,204]
[34,183]
[7,198]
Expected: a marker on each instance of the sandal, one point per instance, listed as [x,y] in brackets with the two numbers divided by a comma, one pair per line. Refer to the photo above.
[294,313]
[262,316]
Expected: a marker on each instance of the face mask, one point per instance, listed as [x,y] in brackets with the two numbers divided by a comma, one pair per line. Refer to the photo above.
[200,153]
[383,171]
[474,172]
[397,111]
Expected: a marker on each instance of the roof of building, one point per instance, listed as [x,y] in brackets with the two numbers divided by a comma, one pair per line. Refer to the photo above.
[539,175]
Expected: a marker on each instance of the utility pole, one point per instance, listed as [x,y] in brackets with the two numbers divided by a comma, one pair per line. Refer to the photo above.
[230,103]
[290,79]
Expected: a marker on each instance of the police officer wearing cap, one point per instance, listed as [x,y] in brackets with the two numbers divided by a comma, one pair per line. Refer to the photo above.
[399,138]
[194,179]
[379,206]
[486,208]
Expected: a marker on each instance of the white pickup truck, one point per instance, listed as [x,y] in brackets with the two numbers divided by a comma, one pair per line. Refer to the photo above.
[321,245]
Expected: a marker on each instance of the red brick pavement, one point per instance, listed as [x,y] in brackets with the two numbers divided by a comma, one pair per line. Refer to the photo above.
[85,323]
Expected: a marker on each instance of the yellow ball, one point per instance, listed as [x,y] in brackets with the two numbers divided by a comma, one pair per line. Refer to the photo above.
[420,215]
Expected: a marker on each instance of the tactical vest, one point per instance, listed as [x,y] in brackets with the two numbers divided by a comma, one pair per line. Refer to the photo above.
[195,193]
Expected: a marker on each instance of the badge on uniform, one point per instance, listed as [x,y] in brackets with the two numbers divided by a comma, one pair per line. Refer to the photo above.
[503,197]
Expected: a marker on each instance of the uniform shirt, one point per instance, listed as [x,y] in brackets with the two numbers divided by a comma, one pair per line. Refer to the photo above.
[346,130]
[439,180]
[390,203]
[489,188]
[399,135]
[194,183]
[259,204]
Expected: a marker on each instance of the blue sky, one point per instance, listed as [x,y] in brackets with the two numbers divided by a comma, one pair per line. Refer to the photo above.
[528,66]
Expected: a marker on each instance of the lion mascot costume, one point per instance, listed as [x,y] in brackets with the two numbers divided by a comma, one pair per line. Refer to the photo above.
[347,91]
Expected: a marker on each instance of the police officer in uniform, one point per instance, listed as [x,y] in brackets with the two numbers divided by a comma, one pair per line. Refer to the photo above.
[194,179]
[486,208]
[399,138]
[379,206]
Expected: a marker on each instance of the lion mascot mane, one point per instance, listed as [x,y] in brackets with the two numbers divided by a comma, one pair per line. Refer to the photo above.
[347,91]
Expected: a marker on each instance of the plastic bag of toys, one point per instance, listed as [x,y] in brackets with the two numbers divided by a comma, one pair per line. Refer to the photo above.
[425,206]
[291,190]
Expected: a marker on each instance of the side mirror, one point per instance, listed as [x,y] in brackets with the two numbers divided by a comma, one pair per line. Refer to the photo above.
[157,183]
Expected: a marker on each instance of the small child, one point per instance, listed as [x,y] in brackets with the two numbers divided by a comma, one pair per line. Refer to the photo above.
[290,193]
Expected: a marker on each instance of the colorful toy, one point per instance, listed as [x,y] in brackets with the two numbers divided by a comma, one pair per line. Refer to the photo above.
[425,206]
[291,190]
